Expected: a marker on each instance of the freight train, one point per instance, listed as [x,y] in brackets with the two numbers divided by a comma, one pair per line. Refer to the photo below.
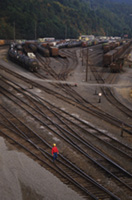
[5,42]
[113,58]
[110,46]
[45,49]
[16,55]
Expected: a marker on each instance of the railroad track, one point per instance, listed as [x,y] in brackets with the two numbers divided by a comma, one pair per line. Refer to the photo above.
[28,139]
[55,107]
[45,64]
[66,67]
[62,125]
[70,118]
[111,97]
[75,96]
[111,78]
[107,92]
[87,107]
[61,76]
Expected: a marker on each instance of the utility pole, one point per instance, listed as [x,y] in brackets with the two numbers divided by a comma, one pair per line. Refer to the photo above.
[14,31]
[65,31]
[131,25]
[87,65]
[35,30]
[82,57]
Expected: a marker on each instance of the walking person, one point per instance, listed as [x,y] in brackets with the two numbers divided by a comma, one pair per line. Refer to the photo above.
[55,152]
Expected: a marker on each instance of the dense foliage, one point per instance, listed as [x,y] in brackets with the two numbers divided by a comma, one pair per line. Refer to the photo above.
[64,18]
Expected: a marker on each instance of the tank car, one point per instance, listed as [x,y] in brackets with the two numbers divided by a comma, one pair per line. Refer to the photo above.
[26,62]
[74,44]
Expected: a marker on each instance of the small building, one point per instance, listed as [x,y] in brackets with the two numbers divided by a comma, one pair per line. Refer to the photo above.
[48,39]
[87,37]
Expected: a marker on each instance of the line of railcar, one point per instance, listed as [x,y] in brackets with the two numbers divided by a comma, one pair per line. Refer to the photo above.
[113,58]
[45,49]
[5,42]
[16,54]
[110,46]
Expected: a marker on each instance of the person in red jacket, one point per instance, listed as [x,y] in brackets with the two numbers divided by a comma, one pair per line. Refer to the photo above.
[55,152]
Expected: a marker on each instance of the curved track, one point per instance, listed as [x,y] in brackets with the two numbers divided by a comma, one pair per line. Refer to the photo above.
[36,110]
[91,147]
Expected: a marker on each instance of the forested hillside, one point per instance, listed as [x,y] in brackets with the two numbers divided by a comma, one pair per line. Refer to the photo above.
[64,18]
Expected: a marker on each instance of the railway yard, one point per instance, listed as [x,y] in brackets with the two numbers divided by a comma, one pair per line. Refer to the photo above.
[86,109]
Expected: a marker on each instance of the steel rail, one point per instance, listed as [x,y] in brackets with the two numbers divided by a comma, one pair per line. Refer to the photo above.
[80,172]
[57,114]
[79,120]
[107,117]
[39,98]
[74,145]
[120,106]
[42,150]
[80,139]
[30,141]
[64,175]
[104,90]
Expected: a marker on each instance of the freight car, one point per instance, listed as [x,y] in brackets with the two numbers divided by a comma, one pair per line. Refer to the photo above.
[117,65]
[2,42]
[110,46]
[26,62]
[84,44]
[29,47]
[108,58]
[113,55]
[43,51]
[62,45]
[74,44]
[5,42]
[54,52]
[46,50]
[87,43]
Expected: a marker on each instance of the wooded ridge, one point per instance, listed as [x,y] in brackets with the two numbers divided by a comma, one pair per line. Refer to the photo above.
[64,18]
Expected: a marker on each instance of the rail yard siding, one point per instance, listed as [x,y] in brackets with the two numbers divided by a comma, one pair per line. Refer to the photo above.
[111,57]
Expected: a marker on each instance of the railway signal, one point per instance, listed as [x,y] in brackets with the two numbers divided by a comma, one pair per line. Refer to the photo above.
[100,94]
